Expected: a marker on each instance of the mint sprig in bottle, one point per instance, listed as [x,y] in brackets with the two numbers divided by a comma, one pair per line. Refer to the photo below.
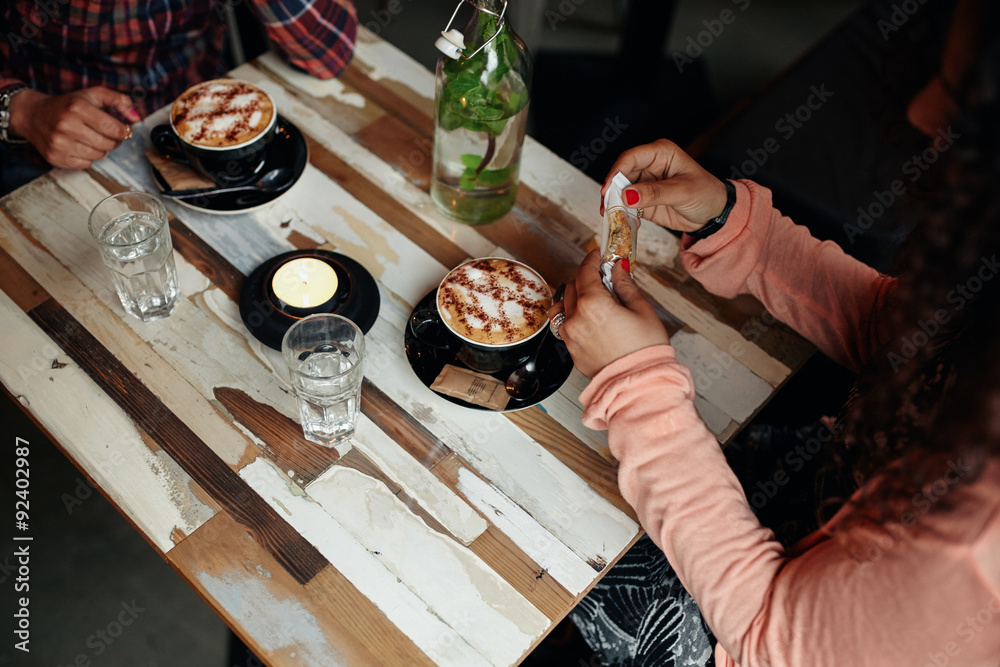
[482,91]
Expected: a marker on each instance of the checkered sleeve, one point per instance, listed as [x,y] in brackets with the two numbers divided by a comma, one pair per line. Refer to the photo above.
[316,36]
[7,82]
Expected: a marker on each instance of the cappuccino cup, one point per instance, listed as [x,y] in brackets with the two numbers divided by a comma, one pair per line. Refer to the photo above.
[220,128]
[487,310]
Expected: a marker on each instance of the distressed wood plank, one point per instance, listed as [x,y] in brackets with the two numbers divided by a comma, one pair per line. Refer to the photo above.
[535,232]
[284,443]
[599,473]
[179,442]
[549,555]
[725,382]
[529,578]
[334,98]
[483,608]
[419,483]
[405,428]
[499,450]
[279,619]
[189,245]
[50,207]
[18,284]
[728,339]
[439,641]
[355,459]
[146,486]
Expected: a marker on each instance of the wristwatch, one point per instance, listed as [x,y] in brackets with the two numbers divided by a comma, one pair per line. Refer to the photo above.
[716,223]
[5,98]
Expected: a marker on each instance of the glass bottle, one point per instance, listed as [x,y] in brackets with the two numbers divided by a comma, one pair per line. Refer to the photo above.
[482,90]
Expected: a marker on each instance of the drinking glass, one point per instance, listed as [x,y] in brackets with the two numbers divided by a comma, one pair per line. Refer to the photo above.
[132,232]
[325,357]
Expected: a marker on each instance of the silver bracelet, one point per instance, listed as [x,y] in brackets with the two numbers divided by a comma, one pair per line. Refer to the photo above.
[5,98]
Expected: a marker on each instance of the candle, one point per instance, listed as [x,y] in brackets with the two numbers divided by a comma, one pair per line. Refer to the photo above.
[306,282]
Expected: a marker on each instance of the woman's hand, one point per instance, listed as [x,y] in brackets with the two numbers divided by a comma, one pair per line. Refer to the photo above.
[72,130]
[672,189]
[599,330]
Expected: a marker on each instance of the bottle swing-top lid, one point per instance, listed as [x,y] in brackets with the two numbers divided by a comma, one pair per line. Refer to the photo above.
[452,41]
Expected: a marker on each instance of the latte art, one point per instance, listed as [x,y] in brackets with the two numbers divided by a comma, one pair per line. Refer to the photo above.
[494,301]
[223,113]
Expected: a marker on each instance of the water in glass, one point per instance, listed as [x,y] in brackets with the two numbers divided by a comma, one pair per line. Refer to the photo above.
[328,384]
[141,263]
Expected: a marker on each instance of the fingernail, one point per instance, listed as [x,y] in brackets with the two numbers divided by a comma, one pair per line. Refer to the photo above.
[631,197]
[626,265]
[133,114]
[602,207]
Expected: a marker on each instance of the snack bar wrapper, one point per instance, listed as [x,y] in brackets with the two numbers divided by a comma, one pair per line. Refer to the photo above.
[620,231]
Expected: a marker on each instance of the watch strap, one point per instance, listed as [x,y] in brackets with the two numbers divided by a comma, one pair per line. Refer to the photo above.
[5,97]
[716,223]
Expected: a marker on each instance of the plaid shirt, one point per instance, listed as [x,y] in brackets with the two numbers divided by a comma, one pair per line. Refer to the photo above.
[154,50]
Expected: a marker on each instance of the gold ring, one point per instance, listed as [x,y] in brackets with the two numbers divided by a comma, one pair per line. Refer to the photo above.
[638,213]
[128,133]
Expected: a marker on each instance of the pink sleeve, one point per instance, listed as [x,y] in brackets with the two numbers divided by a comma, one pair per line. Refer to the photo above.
[893,604]
[830,298]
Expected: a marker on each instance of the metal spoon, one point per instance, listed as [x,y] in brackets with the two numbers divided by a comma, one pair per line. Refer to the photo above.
[272,181]
[523,383]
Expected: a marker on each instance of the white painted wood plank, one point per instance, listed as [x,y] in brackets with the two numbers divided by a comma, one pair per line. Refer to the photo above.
[720,334]
[418,482]
[308,84]
[718,377]
[382,61]
[539,544]
[569,414]
[457,586]
[99,311]
[148,487]
[715,419]
[408,612]
[282,626]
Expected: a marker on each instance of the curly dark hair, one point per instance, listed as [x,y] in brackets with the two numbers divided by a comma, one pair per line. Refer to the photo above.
[929,402]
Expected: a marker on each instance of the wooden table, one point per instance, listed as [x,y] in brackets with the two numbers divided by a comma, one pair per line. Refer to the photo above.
[439,535]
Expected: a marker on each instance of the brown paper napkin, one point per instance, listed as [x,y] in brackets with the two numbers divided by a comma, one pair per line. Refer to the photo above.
[178,176]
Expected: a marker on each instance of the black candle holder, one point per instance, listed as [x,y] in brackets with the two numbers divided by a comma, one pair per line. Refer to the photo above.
[268,318]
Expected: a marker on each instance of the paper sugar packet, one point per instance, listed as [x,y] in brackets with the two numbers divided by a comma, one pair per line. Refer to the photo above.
[620,230]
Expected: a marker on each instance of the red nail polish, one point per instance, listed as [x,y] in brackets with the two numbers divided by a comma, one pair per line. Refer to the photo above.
[133,114]
[626,265]
[602,207]
[631,197]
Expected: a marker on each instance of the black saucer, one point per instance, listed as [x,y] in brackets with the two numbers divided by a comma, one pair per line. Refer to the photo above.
[287,149]
[262,314]
[428,358]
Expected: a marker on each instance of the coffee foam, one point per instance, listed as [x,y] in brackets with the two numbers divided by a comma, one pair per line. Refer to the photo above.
[221,113]
[494,301]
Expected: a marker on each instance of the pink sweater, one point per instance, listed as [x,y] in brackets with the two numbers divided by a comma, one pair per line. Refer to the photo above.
[924,591]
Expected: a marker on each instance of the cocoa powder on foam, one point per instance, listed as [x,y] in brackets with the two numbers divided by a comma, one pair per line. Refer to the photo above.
[197,112]
[474,303]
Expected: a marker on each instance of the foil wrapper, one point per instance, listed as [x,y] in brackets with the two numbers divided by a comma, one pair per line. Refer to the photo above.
[619,234]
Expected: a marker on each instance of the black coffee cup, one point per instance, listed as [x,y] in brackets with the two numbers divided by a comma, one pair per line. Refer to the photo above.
[227,165]
[427,326]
